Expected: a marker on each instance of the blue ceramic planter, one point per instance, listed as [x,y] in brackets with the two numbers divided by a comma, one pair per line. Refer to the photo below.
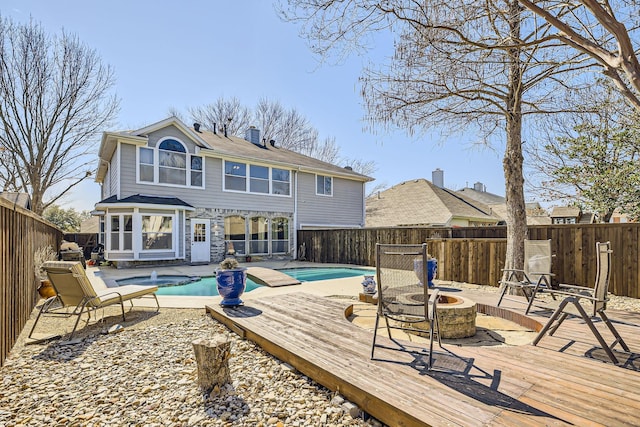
[432,270]
[231,285]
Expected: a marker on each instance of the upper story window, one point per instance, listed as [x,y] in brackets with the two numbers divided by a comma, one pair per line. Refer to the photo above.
[256,179]
[235,176]
[324,185]
[281,181]
[171,164]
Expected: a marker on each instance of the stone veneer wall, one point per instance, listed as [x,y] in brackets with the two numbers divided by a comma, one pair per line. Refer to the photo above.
[216,238]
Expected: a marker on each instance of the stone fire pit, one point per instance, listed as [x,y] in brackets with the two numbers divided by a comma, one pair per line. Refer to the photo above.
[457,315]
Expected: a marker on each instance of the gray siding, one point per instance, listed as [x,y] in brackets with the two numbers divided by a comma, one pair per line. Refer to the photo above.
[344,208]
[211,197]
[114,174]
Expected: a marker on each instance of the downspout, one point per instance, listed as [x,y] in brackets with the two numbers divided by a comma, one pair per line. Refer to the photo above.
[295,214]
[364,205]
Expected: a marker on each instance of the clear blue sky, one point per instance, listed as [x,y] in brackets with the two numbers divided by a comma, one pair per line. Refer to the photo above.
[189,53]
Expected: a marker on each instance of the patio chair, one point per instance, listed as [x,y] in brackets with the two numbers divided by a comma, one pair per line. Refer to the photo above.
[397,280]
[536,275]
[75,291]
[598,297]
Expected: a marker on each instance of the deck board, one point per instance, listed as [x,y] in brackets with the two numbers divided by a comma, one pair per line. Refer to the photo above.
[470,386]
[271,278]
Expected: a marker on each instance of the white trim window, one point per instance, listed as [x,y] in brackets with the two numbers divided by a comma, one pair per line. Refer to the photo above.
[170,164]
[281,182]
[157,232]
[324,185]
[235,233]
[121,233]
[279,235]
[259,235]
[256,179]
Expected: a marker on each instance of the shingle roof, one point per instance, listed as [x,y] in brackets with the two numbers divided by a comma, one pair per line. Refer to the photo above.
[565,212]
[20,199]
[482,196]
[419,202]
[234,146]
[147,200]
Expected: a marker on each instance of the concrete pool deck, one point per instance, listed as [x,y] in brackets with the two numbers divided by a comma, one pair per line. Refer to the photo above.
[349,287]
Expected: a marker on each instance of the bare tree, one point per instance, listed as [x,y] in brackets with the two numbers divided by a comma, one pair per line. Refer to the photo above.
[463,64]
[54,100]
[590,158]
[597,29]
[223,114]
[289,128]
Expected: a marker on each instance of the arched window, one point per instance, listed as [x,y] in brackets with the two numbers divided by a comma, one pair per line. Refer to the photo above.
[279,235]
[172,162]
[259,235]
[235,233]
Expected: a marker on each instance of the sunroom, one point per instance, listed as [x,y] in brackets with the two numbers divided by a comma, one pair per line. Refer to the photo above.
[143,228]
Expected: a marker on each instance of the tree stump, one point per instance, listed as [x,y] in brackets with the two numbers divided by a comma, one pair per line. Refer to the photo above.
[212,357]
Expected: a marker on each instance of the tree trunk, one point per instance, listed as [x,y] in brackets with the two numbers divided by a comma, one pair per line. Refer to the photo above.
[513,159]
[212,357]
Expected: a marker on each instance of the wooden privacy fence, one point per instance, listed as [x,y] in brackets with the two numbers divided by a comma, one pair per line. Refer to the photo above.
[477,254]
[22,232]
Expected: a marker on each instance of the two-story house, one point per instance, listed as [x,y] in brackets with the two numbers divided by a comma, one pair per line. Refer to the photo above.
[171,192]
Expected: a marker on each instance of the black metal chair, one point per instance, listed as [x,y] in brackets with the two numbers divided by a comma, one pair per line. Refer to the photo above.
[400,269]
[536,275]
[597,295]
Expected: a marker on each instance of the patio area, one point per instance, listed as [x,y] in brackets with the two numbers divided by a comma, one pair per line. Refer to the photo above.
[296,356]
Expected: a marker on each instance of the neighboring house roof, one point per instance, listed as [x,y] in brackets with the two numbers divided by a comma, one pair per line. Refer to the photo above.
[20,199]
[90,225]
[229,147]
[138,199]
[565,212]
[538,220]
[482,196]
[587,218]
[419,202]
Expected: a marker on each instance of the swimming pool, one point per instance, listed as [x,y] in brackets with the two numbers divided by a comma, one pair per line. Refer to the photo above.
[206,286]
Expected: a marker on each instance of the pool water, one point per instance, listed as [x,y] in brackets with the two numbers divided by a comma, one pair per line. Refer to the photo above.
[206,286]
[311,274]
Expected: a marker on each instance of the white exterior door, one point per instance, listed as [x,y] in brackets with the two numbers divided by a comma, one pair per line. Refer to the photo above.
[200,246]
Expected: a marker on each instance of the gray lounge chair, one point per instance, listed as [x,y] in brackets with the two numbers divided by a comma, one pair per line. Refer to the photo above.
[535,277]
[75,291]
[597,295]
[398,277]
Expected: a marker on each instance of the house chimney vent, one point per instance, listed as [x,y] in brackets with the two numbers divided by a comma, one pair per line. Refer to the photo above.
[253,135]
[272,142]
[478,186]
[214,127]
[196,127]
[437,178]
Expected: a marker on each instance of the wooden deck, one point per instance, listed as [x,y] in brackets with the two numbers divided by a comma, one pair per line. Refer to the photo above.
[565,380]
[269,277]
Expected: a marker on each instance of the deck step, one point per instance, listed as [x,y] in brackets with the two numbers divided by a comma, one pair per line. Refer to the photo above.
[269,277]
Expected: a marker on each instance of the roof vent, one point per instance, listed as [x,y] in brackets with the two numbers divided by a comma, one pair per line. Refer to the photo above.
[349,168]
[272,142]
[196,126]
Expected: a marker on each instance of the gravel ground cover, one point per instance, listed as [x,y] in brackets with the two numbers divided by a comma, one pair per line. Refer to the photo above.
[146,375]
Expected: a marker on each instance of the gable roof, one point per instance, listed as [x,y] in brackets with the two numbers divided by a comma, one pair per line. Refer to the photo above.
[565,212]
[419,202]
[226,147]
